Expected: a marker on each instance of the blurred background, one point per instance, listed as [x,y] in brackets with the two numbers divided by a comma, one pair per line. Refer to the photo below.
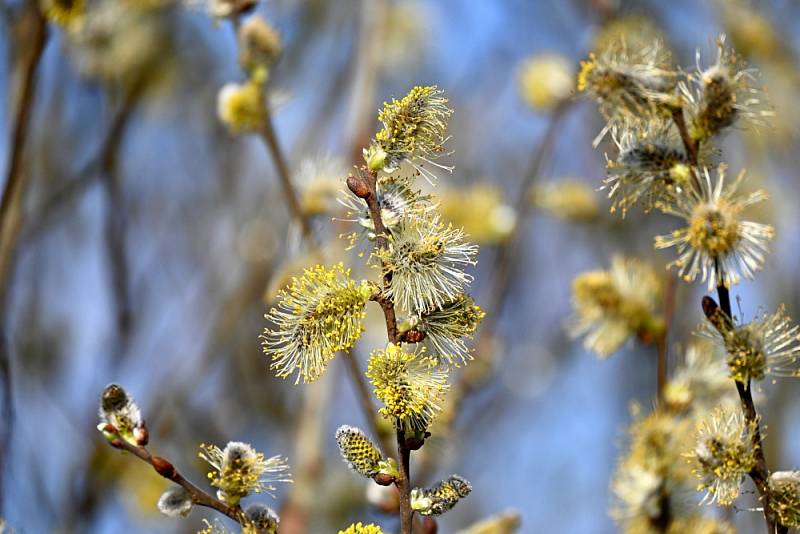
[152,240]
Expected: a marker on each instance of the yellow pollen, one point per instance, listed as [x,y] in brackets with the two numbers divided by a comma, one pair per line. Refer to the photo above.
[714,229]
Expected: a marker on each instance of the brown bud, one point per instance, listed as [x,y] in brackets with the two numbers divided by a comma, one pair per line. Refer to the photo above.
[163,467]
[383,479]
[709,306]
[413,336]
[243,7]
[429,526]
[416,442]
[358,186]
[116,443]
[645,336]
[141,434]
[111,429]
[716,316]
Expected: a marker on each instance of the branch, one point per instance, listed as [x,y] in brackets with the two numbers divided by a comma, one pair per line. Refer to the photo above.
[692,147]
[662,343]
[11,210]
[164,467]
[760,473]
[267,133]
[364,187]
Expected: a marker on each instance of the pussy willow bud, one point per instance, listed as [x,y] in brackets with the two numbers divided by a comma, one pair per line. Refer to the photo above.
[119,410]
[361,455]
[259,44]
[784,497]
[375,157]
[263,520]
[440,498]
[358,186]
[175,502]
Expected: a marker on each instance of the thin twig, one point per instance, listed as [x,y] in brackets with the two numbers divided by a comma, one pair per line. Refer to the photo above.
[692,147]
[662,340]
[364,187]
[11,211]
[267,133]
[404,484]
[661,374]
[166,469]
[116,223]
[92,169]
[760,472]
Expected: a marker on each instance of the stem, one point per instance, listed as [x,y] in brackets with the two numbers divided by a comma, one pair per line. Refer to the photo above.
[11,211]
[692,147]
[661,381]
[364,186]
[760,473]
[165,468]
[404,484]
[381,242]
[662,342]
[267,133]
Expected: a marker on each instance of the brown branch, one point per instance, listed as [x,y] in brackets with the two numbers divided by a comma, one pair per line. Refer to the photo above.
[364,187]
[760,472]
[692,147]
[167,470]
[662,339]
[11,209]
[81,180]
[267,133]
[661,373]
[270,138]
[404,484]
[115,231]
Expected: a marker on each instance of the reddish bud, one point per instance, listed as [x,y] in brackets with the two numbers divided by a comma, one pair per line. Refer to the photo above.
[709,306]
[383,479]
[429,526]
[414,443]
[358,186]
[413,336]
[163,467]
[141,435]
